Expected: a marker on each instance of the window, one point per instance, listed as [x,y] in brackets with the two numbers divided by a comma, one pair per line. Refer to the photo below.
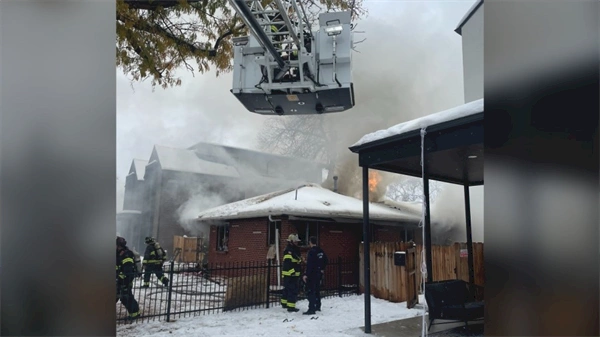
[271,225]
[306,229]
[222,238]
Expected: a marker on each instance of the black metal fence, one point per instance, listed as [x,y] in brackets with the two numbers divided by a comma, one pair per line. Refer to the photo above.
[195,290]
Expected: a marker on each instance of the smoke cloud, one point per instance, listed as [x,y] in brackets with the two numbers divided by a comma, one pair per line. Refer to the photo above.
[410,65]
[201,199]
[196,195]
[448,220]
[120,194]
[406,68]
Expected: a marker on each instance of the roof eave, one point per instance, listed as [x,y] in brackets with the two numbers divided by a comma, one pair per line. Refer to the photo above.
[249,215]
[467,16]
[417,133]
[245,215]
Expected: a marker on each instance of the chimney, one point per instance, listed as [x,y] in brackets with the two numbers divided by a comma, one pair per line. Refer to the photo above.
[335,178]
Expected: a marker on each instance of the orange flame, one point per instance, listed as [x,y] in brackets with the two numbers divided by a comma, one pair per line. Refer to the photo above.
[374,179]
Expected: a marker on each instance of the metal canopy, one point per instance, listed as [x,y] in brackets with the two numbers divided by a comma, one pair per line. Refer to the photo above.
[454,152]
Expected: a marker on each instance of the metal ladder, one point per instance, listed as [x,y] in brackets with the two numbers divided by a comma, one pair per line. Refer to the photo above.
[261,18]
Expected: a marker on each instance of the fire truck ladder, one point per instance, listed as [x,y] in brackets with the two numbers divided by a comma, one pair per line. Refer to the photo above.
[261,20]
[283,67]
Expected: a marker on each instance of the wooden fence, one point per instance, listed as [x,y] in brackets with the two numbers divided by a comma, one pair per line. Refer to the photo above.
[191,249]
[390,282]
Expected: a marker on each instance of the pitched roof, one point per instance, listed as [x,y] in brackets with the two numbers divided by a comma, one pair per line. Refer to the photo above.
[467,16]
[214,146]
[309,200]
[140,168]
[184,160]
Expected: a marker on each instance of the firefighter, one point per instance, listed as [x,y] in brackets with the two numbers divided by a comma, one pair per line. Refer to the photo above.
[315,268]
[291,273]
[154,258]
[277,27]
[125,276]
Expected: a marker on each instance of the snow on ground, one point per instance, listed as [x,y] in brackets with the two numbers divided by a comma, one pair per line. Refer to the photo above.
[189,292]
[460,111]
[340,317]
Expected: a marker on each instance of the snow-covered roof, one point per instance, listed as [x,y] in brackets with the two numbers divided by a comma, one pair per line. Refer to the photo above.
[200,145]
[410,207]
[184,160]
[140,168]
[460,111]
[312,201]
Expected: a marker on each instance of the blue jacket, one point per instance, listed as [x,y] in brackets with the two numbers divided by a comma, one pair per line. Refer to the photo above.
[315,262]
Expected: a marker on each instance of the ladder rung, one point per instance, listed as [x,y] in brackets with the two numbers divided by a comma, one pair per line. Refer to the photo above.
[273,23]
[265,12]
[278,34]
[292,63]
[286,50]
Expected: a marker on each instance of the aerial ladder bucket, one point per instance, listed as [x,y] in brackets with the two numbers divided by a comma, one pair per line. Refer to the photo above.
[284,67]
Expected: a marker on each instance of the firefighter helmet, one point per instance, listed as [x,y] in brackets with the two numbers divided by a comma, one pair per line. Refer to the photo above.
[121,242]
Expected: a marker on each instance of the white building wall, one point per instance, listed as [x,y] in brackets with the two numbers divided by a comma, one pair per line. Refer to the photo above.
[472,47]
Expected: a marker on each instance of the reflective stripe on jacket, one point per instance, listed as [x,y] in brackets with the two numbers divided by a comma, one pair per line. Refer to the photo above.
[291,261]
[125,267]
[151,255]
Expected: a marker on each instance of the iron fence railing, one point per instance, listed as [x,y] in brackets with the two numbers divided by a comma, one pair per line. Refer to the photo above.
[214,288]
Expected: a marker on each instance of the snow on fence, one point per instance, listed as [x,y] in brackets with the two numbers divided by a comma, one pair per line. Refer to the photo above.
[207,289]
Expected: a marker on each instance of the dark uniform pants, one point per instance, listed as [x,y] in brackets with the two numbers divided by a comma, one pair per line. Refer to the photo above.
[154,269]
[290,291]
[125,294]
[314,293]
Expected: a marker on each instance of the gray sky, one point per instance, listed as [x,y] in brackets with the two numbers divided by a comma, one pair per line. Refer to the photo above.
[203,109]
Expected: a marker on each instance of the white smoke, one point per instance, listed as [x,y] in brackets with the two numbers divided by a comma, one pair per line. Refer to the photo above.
[120,194]
[188,212]
[252,183]
[448,215]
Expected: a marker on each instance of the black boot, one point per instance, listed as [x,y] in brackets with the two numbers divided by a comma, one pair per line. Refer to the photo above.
[293,309]
[309,312]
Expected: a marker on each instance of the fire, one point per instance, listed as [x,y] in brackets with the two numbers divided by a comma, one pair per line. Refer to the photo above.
[374,179]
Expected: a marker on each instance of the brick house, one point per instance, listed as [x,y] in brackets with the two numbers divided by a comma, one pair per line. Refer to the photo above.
[246,230]
[156,189]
